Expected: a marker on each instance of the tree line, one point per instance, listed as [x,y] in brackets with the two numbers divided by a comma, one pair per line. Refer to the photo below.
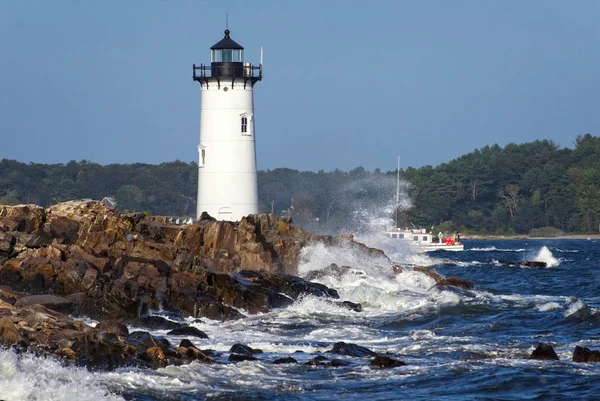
[535,187]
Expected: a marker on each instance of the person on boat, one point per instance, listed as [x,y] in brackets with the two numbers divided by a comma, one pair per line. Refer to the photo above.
[441,237]
[457,236]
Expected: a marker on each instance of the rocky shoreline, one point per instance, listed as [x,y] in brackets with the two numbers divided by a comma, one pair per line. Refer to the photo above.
[82,259]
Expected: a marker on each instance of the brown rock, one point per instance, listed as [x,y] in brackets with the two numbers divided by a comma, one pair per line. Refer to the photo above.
[583,354]
[66,353]
[53,302]
[155,355]
[544,351]
[113,326]
[9,334]
[24,218]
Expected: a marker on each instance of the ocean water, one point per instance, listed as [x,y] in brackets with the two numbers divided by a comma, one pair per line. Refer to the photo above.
[458,344]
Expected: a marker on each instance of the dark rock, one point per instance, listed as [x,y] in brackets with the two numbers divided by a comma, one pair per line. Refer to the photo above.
[441,280]
[156,323]
[337,363]
[288,359]
[206,217]
[244,350]
[241,358]
[143,340]
[333,270]
[7,242]
[544,351]
[113,326]
[103,352]
[583,354]
[457,282]
[385,362]
[342,348]
[350,305]
[216,310]
[196,354]
[533,263]
[317,361]
[188,331]
[53,302]
[185,343]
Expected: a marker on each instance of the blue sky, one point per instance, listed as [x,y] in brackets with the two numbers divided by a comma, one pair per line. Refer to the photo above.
[346,83]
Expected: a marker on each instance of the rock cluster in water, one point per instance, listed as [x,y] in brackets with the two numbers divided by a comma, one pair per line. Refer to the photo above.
[84,259]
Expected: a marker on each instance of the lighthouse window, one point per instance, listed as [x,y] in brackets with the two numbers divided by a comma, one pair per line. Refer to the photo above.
[244,124]
[203,158]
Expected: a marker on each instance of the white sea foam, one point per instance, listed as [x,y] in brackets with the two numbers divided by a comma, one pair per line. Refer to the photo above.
[27,377]
[493,248]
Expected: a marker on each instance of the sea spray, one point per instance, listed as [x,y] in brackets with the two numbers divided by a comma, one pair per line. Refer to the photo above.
[28,377]
[545,255]
[372,282]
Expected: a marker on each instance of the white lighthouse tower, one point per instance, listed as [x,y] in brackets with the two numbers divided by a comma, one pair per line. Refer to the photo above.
[227,188]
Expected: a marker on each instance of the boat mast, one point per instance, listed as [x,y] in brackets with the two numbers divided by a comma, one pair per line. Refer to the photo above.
[397,191]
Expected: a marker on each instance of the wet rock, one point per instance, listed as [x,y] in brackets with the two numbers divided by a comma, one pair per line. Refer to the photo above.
[533,263]
[350,305]
[244,349]
[583,354]
[333,270]
[53,302]
[288,359]
[155,355]
[441,280]
[156,323]
[317,361]
[241,358]
[385,362]
[66,354]
[114,327]
[196,354]
[99,352]
[188,331]
[457,282]
[544,351]
[337,363]
[342,348]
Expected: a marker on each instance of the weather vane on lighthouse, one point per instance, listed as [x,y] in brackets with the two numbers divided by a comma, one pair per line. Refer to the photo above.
[227,186]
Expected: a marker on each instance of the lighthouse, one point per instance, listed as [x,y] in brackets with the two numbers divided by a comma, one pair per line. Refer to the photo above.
[227,187]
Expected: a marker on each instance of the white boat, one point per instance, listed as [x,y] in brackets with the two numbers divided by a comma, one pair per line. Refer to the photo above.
[419,238]
[423,241]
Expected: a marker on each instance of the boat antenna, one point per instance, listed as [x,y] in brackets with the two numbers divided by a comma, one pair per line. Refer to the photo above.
[227,21]
[397,190]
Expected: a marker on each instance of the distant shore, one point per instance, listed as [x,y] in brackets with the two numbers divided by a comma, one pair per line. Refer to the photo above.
[526,237]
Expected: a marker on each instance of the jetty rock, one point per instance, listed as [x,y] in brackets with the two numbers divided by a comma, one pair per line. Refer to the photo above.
[103,264]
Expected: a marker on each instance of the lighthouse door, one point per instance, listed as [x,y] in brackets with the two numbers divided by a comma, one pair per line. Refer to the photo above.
[225,214]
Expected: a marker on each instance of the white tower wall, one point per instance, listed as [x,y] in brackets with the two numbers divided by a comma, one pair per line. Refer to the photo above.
[227,186]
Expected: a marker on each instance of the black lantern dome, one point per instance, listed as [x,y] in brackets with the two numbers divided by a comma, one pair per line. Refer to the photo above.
[227,58]
[227,63]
